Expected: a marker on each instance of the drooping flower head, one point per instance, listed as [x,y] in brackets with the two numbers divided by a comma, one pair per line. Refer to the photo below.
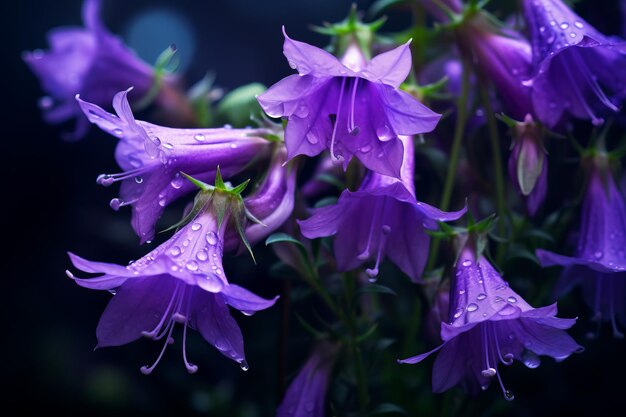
[599,261]
[528,164]
[152,157]
[578,71]
[89,61]
[382,218]
[351,106]
[306,395]
[490,324]
[181,281]
[271,202]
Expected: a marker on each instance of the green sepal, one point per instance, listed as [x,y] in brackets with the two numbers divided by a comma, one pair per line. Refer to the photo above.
[201,185]
[164,65]
[201,200]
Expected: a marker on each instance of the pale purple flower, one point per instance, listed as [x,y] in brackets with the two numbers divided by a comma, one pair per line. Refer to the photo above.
[351,107]
[578,71]
[528,164]
[306,395]
[152,157]
[181,281]
[89,61]
[382,218]
[600,256]
[271,202]
[490,324]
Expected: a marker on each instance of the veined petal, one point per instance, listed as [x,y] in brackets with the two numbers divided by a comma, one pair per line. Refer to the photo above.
[406,115]
[99,267]
[309,59]
[391,67]
[421,357]
[244,300]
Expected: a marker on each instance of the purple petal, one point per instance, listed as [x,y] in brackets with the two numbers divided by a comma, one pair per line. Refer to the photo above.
[449,366]
[137,306]
[216,325]
[309,59]
[545,340]
[421,357]
[245,301]
[99,267]
[406,115]
[391,67]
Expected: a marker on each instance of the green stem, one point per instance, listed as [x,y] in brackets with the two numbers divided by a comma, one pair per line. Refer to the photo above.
[500,197]
[461,118]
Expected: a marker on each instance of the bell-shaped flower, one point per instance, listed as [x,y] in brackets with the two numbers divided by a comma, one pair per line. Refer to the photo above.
[382,218]
[489,324]
[89,61]
[600,256]
[181,281]
[528,163]
[351,106]
[152,157]
[578,71]
[306,395]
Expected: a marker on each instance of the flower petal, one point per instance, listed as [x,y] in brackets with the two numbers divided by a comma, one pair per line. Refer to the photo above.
[244,300]
[391,67]
[309,59]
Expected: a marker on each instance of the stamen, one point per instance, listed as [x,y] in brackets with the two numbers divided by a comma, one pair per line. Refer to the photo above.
[191,368]
[116,203]
[354,130]
[152,334]
[377,215]
[488,371]
[593,82]
[372,273]
[148,370]
[508,358]
[333,157]
[508,395]
[108,179]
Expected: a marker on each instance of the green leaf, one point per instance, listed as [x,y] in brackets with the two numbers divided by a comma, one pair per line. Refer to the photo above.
[282,237]
[377,289]
[387,408]
[238,106]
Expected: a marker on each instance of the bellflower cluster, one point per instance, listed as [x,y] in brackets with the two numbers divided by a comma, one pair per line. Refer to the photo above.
[352,159]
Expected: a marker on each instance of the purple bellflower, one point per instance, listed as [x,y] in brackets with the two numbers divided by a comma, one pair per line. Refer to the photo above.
[152,157]
[528,164]
[490,324]
[505,60]
[350,106]
[599,262]
[306,395]
[88,61]
[271,203]
[382,218]
[181,281]
[577,70]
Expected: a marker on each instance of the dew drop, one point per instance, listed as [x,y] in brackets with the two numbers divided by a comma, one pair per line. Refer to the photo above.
[384,133]
[138,179]
[162,202]
[542,29]
[311,138]
[572,35]
[192,265]
[489,372]
[472,307]
[564,25]
[303,111]
[461,292]
[118,132]
[481,296]
[177,182]
[293,65]
[512,300]
[199,137]
[211,238]
[467,263]
[243,365]
[365,149]
[579,25]
[457,313]
[175,251]
[196,226]
[508,395]
[168,146]
[598,254]
[531,360]
[202,255]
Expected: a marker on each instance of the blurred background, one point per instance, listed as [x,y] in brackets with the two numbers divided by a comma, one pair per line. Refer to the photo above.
[53,205]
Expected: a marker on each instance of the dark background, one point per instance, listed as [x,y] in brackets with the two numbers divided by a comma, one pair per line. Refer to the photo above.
[51,204]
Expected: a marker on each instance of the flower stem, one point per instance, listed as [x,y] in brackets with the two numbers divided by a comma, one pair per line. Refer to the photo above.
[500,197]
[461,119]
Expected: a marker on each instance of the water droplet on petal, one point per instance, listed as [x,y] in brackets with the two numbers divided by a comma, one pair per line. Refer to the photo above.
[365,149]
[243,365]
[457,313]
[564,25]
[199,137]
[384,133]
[118,132]
[579,25]
[598,254]
[489,372]
[311,138]
[202,255]
[211,238]
[177,182]
[481,296]
[292,65]
[512,300]
[196,226]
[162,202]
[467,263]
[175,251]
[531,360]
[572,35]
[138,179]
[472,307]
[192,265]
[168,146]
[461,292]
[303,111]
